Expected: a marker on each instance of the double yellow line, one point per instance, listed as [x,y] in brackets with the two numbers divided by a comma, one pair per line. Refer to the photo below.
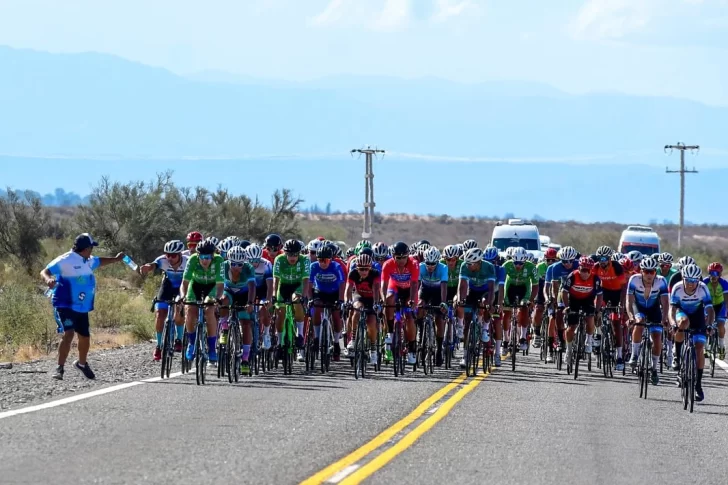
[360,473]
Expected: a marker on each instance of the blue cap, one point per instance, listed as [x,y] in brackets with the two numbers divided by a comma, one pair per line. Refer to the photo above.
[84,241]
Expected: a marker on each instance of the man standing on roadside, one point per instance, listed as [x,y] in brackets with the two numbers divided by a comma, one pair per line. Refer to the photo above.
[71,276]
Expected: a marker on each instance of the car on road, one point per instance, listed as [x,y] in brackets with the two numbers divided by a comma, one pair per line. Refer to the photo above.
[515,233]
[639,238]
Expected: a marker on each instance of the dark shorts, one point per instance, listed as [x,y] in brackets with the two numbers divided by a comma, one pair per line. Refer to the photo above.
[68,319]
[452,291]
[325,298]
[612,297]
[400,294]
[239,299]
[200,290]
[653,315]
[431,296]
[587,305]
[515,292]
[166,292]
[474,298]
[540,298]
[367,303]
[286,291]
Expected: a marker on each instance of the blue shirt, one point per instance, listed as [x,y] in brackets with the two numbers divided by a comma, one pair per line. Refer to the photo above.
[173,275]
[434,279]
[76,286]
[327,280]
[263,273]
[500,276]
[636,287]
[558,271]
[691,303]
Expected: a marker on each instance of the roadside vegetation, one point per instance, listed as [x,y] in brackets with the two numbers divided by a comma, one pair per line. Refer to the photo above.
[138,217]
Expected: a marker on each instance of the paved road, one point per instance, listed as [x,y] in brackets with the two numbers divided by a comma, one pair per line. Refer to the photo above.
[535,425]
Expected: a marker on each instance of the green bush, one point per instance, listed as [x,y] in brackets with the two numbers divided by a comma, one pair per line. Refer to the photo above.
[26,319]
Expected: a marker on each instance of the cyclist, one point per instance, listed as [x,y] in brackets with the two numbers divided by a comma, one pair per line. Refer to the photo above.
[400,278]
[202,280]
[521,284]
[469,244]
[491,255]
[263,287]
[224,246]
[366,281]
[454,263]
[433,291]
[691,306]
[313,248]
[272,247]
[477,282]
[291,273]
[677,277]
[381,253]
[172,264]
[648,303]
[614,293]
[328,281]
[555,275]
[666,270]
[718,288]
[582,290]
[549,258]
[193,239]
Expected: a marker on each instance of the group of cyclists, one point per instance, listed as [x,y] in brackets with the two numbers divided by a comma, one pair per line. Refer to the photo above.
[463,281]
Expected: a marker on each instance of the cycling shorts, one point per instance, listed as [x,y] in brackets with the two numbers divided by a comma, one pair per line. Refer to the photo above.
[72,320]
[515,292]
[239,299]
[587,305]
[431,296]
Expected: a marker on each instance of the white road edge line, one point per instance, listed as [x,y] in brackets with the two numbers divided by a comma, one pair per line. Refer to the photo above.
[79,397]
[343,473]
[722,364]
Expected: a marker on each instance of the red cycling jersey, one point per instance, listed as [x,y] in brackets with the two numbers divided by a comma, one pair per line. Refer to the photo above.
[271,256]
[394,277]
[582,288]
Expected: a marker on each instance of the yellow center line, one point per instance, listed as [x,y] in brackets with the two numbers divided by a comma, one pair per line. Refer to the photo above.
[407,441]
[382,437]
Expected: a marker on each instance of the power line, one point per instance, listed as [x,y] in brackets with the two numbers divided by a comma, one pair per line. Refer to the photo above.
[369,204]
[682,147]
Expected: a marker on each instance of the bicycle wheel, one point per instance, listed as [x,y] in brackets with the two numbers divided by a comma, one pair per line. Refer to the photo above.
[579,349]
[199,361]
[514,343]
[396,351]
[446,358]
[431,350]
[642,370]
[713,352]
[470,349]
[692,376]
[166,362]
[184,363]
[544,337]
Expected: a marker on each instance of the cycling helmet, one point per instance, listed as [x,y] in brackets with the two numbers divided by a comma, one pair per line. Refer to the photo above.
[236,254]
[568,253]
[691,271]
[490,253]
[509,252]
[585,262]
[648,264]
[336,249]
[400,249]
[473,255]
[194,236]
[325,252]
[225,245]
[272,241]
[617,256]
[604,252]
[665,258]
[215,241]
[315,245]
[243,243]
[635,256]
[532,258]
[520,255]
[432,255]
[368,251]
[303,246]
[715,267]
[206,247]
[361,245]
[380,250]
[292,246]
[685,260]
[174,247]
[349,252]
[255,253]
[450,252]
[461,249]
[422,248]
[626,264]
[469,244]
[363,261]
[423,242]
[550,253]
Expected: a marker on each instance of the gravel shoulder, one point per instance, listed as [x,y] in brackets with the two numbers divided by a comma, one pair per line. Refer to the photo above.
[31,382]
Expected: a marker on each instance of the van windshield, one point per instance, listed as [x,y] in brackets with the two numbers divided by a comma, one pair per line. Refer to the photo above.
[513,242]
[643,248]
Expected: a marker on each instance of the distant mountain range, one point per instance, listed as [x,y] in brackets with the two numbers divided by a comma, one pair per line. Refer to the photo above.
[60,198]
[95,105]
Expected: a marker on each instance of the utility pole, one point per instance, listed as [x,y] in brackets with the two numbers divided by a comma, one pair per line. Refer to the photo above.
[369,204]
[682,147]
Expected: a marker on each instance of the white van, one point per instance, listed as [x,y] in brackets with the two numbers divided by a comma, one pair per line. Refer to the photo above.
[545,241]
[639,238]
[517,233]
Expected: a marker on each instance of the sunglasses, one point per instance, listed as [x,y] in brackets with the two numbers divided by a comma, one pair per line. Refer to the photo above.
[584,270]
[363,268]
[171,255]
[567,261]
[192,245]
[714,274]
[666,265]
[237,265]
[292,255]
[550,261]
[518,264]
[205,257]
[401,257]
[649,271]
[324,260]
[452,260]
[603,259]
[691,280]
[430,264]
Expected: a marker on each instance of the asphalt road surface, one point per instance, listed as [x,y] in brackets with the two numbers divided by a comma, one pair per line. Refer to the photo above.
[535,425]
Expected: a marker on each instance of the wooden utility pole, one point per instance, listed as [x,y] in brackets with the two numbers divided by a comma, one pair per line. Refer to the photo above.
[368,189]
[682,147]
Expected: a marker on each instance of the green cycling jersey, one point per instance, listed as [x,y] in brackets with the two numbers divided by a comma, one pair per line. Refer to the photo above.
[526,276]
[453,275]
[195,273]
[541,270]
[291,275]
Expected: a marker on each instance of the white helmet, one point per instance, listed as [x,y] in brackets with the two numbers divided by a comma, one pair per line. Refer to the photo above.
[531,257]
[648,264]
[685,260]
[236,254]
[567,253]
[315,245]
[450,252]
[691,271]
[255,253]
[665,258]
[520,255]
[215,241]
[174,247]
[380,250]
[432,255]
[635,256]
[225,245]
[470,244]
[474,255]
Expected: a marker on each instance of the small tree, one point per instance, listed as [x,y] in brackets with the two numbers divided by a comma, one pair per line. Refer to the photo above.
[23,222]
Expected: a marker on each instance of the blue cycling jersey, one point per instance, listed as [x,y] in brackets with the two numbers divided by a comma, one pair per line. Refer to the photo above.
[558,271]
[636,287]
[76,283]
[174,276]
[698,301]
[433,279]
[327,280]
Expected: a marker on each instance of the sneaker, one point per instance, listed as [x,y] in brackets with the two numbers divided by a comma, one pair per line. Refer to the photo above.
[266,341]
[503,352]
[190,354]
[597,341]
[438,358]
[721,353]
[300,356]
[85,370]
[550,358]
[587,348]
[178,345]
[58,374]
[244,368]
[411,358]
[676,365]
[462,363]
[497,360]
[524,345]
[212,356]
[373,357]
[633,360]
[699,395]
[350,348]
[620,365]
[654,377]
[157,354]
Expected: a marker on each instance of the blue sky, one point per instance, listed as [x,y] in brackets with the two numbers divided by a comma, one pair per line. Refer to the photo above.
[648,47]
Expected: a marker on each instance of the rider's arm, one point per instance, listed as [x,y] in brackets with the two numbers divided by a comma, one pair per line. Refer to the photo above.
[349,291]
[491,293]
[375,290]
[665,306]
[673,311]
[630,306]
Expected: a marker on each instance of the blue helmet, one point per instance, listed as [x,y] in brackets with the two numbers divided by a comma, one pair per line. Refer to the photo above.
[490,253]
